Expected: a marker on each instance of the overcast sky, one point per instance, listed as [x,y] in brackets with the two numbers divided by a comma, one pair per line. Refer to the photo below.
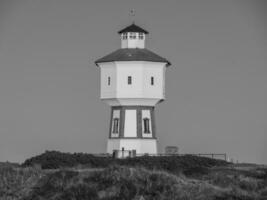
[216,88]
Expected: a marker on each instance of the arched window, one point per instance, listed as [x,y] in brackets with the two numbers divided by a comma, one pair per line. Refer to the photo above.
[115,125]
[146,125]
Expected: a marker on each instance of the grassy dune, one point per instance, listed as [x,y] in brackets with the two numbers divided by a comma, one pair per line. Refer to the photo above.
[136,179]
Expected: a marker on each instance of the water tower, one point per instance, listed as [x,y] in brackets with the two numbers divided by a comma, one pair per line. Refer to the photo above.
[132,83]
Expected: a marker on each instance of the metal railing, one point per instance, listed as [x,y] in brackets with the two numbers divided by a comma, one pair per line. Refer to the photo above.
[126,153]
[222,156]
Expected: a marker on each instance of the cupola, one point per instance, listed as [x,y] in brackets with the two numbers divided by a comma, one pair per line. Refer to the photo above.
[133,37]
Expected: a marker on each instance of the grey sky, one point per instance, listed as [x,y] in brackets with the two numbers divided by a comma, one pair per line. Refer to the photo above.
[216,87]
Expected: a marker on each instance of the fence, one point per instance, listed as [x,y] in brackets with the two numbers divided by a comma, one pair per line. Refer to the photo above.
[126,153]
[221,156]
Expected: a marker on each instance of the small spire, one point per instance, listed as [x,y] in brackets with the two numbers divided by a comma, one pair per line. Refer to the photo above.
[132,14]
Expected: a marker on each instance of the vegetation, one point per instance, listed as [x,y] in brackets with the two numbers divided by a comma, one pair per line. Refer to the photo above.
[189,165]
[148,178]
[120,183]
[56,159]
[16,182]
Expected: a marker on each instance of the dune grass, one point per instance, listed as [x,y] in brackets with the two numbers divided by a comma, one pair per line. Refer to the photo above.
[155,178]
[122,182]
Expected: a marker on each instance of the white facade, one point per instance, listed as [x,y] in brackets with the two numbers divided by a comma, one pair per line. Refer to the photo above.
[131,101]
[130,127]
[141,91]
[141,146]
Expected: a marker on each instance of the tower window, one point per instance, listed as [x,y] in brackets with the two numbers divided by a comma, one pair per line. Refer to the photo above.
[152,80]
[115,125]
[141,36]
[132,35]
[146,125]
[124,36]
[129,80]
[109,80]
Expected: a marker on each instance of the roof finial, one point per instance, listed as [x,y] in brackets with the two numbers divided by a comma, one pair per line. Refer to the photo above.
[132,14]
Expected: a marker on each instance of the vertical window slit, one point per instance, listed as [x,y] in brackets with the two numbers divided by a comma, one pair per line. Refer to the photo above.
[152,80]
[129,80]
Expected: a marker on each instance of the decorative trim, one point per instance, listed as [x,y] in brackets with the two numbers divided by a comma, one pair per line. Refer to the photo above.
[153,124]
[122,119]
[139,123]
[110,124]
[131,138]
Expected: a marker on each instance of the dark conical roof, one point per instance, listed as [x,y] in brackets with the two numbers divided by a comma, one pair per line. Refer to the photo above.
[133,28]
[132,55]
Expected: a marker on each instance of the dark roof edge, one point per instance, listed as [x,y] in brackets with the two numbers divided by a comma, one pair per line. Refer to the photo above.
[167,62]
[133,28]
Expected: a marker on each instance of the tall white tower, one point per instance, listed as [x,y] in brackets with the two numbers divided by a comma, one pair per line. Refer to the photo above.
[132,83]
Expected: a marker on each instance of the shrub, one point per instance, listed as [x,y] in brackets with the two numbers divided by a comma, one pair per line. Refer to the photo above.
[17,182]
[79,192]
[56,159]
[248,183]
[190,165]
[196,171]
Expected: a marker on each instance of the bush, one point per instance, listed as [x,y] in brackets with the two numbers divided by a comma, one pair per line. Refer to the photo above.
[236,194]
[52,183]
[56,159]
[175,164]
[17,182]
[196,171]
[79,192]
